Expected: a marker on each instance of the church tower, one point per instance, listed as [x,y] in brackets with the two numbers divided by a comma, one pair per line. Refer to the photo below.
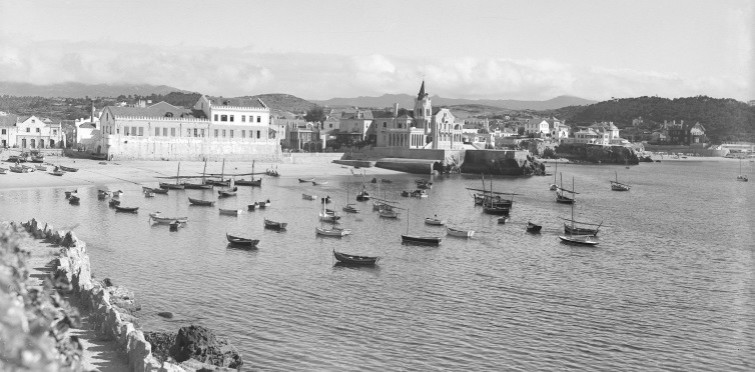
[423,109]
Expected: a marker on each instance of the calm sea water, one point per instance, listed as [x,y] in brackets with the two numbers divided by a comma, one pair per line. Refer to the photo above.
[669,287]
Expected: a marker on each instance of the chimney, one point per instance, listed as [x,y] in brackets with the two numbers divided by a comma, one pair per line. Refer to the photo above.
[395,110]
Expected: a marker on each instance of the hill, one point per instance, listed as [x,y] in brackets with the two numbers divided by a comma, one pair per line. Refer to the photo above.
[724,119]
[285,102]
[407,101]
[79,90]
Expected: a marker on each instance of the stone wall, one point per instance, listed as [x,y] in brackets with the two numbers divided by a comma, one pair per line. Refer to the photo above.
[191,148]
[110,307]
[501,162]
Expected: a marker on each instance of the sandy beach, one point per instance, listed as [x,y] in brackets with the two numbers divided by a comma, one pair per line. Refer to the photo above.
[145,172]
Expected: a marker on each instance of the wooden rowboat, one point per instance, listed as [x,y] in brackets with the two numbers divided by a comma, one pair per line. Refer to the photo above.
[118,208]
[460,233]
[206,203]
[238,241]
[350,259]
[426,240]
[532,228]
[270,224]
[229,212]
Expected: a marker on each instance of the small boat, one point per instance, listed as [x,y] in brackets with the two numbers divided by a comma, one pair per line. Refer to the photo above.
[149,194]
[220,183]
[229,212]
[206,203]
[460,233]
[329,217]
[532,228]
[272,172]
[102,194]
[350,259]
[70,193]
[37,158]
[427,240]
[578,239]
[257,182]
[5,170]
[270,224]
[495,210]
[332,231]
[114,203]
[74,199]
[263,204]
[434,221]
[57,173]
[251,207]
[155,191]
[363,196]
[741,177]
[158,218]
[118,208]
[388,213]
[68,169]
[315,183]
[303,180]
[571,229]
[618,186]
[172,186]
[227,193]
[349,208]
[197,186]
[20,169]
[308,197]
[502,220]
[42,168]
[238,241]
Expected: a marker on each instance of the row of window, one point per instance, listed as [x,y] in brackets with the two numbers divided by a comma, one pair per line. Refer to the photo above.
[230,118]
[190,132]
[28,130]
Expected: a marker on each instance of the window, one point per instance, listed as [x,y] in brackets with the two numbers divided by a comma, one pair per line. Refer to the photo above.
[216,117]
[258,134]
[427,112]
[243,133]
[201,132]
[38,130]
[385,125]
[141,131]
[216,133]
[3,131]
[196,132]
[223,117]
[172,132]
[188,132]
[330,125]
[223,133]
[259,119]
[231,133]
[231,117]
[33,121]
[243,118]
[28,130]
[165,132]
[117,130]
[157,131]
[54,132]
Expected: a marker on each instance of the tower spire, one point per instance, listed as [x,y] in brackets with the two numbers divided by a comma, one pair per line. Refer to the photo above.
[421,91]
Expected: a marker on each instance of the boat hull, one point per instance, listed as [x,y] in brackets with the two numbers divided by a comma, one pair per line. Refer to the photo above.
[349,259]
[426,240]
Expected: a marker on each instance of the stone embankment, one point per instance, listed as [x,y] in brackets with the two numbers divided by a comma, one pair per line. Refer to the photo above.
[112,316]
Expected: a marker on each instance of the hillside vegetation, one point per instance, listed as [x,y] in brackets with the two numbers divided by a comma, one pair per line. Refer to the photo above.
[725,120]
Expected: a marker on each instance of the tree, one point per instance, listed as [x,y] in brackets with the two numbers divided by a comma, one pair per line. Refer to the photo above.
[315,114]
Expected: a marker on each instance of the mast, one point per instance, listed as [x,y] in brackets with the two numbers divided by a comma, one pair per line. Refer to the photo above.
[204,171]
[253,169]
[178,172]
[572,206]
[222,171]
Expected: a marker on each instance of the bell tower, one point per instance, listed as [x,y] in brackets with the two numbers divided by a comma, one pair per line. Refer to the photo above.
[423,109]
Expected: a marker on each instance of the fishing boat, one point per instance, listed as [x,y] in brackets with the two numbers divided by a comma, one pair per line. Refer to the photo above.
[274,225]
[68,169]
[176,185]
[74,199]
[229,212]
[328,215]
[251,207]
[332,231]
[363,195]
[205,203]
[308,197]
[3,170]
[238,241]
[578,239]
[154,191]
[350,259]
[554,186]
[741,177]
[197,186]
[70,193]
[304,180]
[118,208]
[40,167]
[572,228]
[113,203]
[460,233]
[252,181]
[37,157]
[263,204]
[273,172]
[434,221]
[502,220]
[222,182]
[57,173]
[418,239]
[228,192]
[618,186]
[319,183]
[563,195]
[387,213]
[20,169]
[159,218]
[350,208]
[532,228]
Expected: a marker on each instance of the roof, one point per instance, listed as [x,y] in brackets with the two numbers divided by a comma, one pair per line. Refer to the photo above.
[366,114]
[88,124]
[160,109]
[8,120]
[236,102]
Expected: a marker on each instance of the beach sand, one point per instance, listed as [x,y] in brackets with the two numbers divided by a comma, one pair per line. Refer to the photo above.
[145,172]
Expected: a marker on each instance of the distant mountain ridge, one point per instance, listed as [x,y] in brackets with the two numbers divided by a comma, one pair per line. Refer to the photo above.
[407,101]
[80,90]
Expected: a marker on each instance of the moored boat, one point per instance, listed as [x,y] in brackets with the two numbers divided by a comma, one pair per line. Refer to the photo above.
[308,197]
[578,239]
[172,186]
[350,259]
[228,192]
[332,231]
[427,240]
[68,169]
[460,233]
[229,212]
[270,224]
[239,241]
[206,203]
[118,208]
[40,167]
[533,228]
[350,208]
[434,221]
[303,180]
[74,199]
[159,218]
[387,213]
[57,173]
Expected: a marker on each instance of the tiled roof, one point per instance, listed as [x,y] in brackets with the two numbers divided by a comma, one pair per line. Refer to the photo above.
[236,102]
[157,110]
[8,120]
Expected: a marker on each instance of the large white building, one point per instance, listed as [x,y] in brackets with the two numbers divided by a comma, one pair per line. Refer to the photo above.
[216,127]
[30,132]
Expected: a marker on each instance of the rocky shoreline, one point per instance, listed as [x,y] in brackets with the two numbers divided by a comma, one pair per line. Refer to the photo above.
[112,315]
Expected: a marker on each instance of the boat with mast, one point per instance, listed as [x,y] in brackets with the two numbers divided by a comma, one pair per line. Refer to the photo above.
[222,181]
[252,182]
[574,227]
[741,177]
[554,186]
[576,235]
[173,186]
[618,186]
[418,239]
[199,186]
[561,193]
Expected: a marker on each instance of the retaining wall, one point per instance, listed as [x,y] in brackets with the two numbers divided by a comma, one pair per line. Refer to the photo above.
[110,308]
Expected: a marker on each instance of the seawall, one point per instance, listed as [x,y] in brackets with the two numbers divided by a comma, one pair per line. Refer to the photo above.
[110,307]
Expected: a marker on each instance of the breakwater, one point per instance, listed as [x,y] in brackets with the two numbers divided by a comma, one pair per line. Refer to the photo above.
[111,308]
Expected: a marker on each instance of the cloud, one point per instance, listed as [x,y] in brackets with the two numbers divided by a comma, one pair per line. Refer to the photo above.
[243,71]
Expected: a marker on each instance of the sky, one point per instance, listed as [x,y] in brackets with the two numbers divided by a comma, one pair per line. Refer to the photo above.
[321,49]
